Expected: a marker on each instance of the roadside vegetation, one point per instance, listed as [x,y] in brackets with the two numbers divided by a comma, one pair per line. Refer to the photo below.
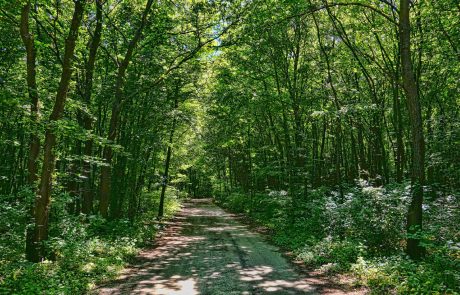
[334,123]
[86,250]
[362,237]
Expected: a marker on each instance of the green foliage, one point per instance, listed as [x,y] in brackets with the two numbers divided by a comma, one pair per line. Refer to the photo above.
[280,110]
[362,234]
[374,215]
[79,266]
[86,250]
[435,275]
[340,254]
[236,202]
[12,224]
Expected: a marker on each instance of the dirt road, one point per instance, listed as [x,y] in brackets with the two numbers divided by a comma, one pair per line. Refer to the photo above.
[207,251]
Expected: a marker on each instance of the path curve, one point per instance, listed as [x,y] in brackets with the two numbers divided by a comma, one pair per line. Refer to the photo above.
[205,250]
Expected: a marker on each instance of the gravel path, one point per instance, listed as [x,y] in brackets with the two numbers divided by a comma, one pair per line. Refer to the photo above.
[205,250]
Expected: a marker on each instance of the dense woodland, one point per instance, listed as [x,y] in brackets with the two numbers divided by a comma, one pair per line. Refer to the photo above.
[335,124]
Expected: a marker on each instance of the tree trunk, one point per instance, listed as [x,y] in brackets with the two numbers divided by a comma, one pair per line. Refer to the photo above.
[35,253]
[398,125]
[338,122]
[34,144]
[354,173]
[106,171]
[164,181]
[414,214]
[28,40]
[87,194]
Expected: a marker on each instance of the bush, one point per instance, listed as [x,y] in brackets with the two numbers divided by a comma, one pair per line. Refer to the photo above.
[363,232]
[236,202]
[407,277]
[87,249]
[373,215]
[328,251]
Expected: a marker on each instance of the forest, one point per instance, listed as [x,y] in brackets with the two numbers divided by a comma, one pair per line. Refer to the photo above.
[332,124]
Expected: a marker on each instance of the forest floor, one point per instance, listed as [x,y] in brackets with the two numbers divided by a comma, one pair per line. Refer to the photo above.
[205,250]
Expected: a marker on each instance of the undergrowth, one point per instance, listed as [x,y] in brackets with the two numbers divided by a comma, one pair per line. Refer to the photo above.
[87,250]
[362,234]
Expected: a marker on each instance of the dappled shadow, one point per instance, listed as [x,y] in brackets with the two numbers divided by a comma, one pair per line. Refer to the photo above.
[204,250]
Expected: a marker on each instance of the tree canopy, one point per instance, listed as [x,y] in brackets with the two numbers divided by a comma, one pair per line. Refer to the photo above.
[333,123]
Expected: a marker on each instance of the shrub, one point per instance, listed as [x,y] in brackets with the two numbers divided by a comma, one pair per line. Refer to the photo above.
[341,253]
[87,249]
[363,232]
[407,277]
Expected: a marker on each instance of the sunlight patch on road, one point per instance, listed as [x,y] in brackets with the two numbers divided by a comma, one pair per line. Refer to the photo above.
[254,273]
[177,287]
[279,285]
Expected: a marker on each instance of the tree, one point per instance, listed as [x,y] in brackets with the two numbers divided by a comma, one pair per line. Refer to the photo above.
[28,40]
[36,251]
[87,120]
[105,182]
[414,215]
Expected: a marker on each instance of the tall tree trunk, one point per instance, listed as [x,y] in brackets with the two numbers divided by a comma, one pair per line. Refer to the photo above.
[34,144]
[118,198]
[164,181]
[314,155]
[414,214]
[87,194]
[321,152]
[72,185]
[338,121]
[35,253]
[28,40]
[106,171]
[354,155]
[398,125]
[132,180]
[140,182]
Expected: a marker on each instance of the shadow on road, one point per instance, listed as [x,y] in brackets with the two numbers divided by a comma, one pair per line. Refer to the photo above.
[205,250]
